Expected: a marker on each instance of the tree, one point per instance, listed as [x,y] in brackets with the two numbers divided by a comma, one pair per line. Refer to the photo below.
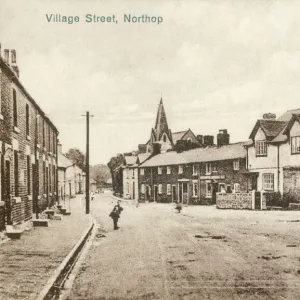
[116,174]
[100,173]
[77,157]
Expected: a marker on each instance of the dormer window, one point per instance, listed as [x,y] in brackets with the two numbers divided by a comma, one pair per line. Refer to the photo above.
[295,142]
[195,170]
[208,169]
[261,148]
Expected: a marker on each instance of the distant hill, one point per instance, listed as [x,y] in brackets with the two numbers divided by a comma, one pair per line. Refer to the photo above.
[100,173]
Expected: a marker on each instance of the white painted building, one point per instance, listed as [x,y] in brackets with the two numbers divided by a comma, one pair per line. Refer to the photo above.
[274,154]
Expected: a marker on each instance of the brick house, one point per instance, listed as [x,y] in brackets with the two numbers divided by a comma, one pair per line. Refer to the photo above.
[71,178]
[194,176]
[130,174]
[28,149]
[273,154]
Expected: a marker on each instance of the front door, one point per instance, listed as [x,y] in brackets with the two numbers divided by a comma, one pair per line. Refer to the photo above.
[155,192]
[133,190]
[214,190]
[7,192]
[173,193]
[184,193]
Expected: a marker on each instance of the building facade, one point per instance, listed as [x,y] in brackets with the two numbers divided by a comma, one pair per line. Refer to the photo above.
[193,176]
[28,148]
[274,154]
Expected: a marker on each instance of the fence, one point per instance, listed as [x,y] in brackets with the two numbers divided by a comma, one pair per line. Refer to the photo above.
[236,200]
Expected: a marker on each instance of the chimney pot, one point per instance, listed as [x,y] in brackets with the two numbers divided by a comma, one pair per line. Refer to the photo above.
[269,116]
[222,138]
[6,56]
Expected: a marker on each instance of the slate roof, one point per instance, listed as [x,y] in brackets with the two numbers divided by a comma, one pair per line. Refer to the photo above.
[143,156]
[208,154]
[63,161]
[178,135]
[276,130]
[130,160]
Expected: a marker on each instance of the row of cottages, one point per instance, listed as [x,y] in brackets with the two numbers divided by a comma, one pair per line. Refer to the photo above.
[28,149]
[194,176]
[274,155]
[71,178]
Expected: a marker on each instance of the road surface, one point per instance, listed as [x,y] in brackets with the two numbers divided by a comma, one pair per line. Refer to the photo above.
[202,253]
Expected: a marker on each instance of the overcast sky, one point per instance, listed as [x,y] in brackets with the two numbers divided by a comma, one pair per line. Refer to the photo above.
[218,64]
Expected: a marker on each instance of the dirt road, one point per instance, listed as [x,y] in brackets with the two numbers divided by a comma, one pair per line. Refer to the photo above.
[202,253]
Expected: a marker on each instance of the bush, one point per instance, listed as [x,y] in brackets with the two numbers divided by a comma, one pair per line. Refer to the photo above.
[274,199]
[287,199]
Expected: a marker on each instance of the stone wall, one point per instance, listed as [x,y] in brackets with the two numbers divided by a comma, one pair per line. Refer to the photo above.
[235,200]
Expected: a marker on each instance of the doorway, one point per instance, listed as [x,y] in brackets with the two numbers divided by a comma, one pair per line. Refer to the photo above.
[183,192]
[133,190]
[214,190]
[173,193]
[7,192]
[155,193]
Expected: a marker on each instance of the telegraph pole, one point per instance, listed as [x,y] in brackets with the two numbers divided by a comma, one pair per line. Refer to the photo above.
[87,168]
[87,177]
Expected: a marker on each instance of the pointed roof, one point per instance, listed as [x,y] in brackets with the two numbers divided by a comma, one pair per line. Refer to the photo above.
[161,124]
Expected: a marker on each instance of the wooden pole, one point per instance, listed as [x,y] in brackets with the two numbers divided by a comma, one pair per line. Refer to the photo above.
[87,177]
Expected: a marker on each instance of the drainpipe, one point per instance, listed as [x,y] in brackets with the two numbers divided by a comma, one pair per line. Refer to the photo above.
[152,186]
[278,171]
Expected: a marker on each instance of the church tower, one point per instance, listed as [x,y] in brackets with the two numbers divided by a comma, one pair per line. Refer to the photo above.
[161,133]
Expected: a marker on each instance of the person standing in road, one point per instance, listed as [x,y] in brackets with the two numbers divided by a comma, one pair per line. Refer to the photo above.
[115,214]
[92,196]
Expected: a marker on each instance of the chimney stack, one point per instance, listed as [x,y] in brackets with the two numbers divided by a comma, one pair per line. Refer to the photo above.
[222,138]
[6,56]
[14,62]
[156,147]
[269,116]
[200,139]
[208,140]
[59,148]
[142,148]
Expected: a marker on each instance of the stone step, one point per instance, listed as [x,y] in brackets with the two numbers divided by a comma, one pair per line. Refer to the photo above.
[40,222]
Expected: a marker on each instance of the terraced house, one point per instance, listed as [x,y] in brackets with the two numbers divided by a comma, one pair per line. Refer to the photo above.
[28,149]
[274,154]
[194,176]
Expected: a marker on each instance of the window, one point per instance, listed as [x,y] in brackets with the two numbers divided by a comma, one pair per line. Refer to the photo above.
[195,170]
[261,148]
[237,188]
[168,170]
[54,179]
[195,188]
[180,169]
[15,108]
[44,133]
[142,171]
[159,170]
[236,165]
[164,138]
[160,188]
[295,142]
[268,181]
[44,176]
[222,188]
[143,188]
[28,176]
[127,187]
[16,172]
[228,188]
[50,181]
[126,172]
[168,189]
[54,146]
[208,189]
[49,144]
[132,173]
[27,119]
[208,168]
[214,167]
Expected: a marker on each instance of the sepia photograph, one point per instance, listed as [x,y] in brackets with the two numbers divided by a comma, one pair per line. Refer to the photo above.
[149,150]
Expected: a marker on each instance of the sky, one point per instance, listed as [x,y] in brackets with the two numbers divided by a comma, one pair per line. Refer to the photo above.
[217,64]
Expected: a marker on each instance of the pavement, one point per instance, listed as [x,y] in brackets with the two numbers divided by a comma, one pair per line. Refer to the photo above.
[201,253]
[27,264]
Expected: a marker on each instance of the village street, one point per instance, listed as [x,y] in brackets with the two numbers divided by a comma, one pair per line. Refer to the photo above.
[202,253]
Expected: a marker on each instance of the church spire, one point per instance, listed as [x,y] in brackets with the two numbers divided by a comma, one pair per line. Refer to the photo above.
[161,124]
